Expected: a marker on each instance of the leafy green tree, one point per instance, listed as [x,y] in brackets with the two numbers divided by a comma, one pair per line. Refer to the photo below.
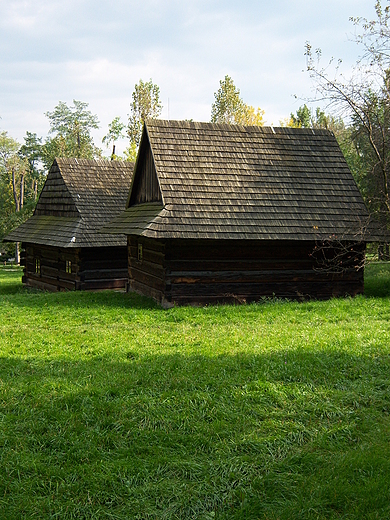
[14,171]
[31,151]
[115,132]
[146,104]
[363,99]
[228,106]
[71,126]
[302,118]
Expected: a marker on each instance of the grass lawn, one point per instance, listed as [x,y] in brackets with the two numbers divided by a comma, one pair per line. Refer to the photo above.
[111,407]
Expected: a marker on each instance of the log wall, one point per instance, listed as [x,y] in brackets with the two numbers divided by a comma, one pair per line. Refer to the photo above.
[147,276]
[103,268]
[200,272]
[91,268]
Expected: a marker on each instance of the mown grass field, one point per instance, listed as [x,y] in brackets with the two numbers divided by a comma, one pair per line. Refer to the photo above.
[111,407]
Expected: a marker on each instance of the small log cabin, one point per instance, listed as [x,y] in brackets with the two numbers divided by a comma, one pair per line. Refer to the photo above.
[61,246]
[227,213]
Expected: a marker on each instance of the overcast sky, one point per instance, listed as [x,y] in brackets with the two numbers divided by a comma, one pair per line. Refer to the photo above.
[96,51]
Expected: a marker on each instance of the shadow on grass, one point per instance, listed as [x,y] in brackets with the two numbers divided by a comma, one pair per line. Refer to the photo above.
[174,436]
[34,298]
[377,280]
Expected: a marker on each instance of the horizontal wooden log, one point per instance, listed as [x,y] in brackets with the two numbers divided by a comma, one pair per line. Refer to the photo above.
[257,291]
[68,277]
[149,255]
[70,254]
[103,284]
[53,272]
[43,286]
[146,279]
[237,249]
[151,244]
[266,276]
[103,274]
[67,285]
[230,263]
[147,267]
[140,288]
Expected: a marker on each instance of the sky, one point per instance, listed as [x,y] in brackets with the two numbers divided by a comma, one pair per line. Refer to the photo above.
[95,51]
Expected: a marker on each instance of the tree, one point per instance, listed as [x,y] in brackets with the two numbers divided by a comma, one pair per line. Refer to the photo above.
[363,100]
[146,104]
[71,126]
[13,171]
[31,151]
[228,106]
[115,132]
[302,118]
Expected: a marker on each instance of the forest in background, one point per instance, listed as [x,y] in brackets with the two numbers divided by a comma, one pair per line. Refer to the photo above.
[356,109]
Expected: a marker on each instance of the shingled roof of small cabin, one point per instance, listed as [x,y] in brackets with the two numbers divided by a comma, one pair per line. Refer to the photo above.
[219,181]
[78,198]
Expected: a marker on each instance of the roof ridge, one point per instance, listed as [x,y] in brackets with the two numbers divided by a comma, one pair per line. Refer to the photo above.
[234,128]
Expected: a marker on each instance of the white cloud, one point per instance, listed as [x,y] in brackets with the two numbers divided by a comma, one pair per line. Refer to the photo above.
[95,51]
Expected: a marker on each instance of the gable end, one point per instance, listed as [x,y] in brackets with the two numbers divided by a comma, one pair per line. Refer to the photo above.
[145,186]
[55,199]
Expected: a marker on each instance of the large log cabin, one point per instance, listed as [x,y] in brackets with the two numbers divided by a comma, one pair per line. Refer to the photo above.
[61,246]
[227,213]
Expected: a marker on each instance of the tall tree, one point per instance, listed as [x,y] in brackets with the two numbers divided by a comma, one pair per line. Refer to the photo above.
[302,118]
[115,132]
[31,151]
[363,100]
[146,104]
[13,172]
[228,106]
[72,127]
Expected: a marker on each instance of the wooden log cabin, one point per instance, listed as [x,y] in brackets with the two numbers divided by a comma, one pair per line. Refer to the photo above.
[61,246]
[227,213]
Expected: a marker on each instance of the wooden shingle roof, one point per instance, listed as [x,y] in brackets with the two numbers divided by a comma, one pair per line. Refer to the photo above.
[236,182]
[78,198]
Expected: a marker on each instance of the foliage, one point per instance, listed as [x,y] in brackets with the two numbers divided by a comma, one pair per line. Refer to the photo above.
[228,106]
[131,152]
[71,126]
[31,151]
[114,408]
[17,187]
[363,100]
[302,119]
[115,132]
[146,104]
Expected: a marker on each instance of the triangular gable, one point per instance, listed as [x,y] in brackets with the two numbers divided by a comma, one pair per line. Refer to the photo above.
[55,199]
[145,186]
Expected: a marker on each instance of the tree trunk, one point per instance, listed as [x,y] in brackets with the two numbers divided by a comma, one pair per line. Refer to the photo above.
[78,144]
[17,253]
[21,196]
[16,200]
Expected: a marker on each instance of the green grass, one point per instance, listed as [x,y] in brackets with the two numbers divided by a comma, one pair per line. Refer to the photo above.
[111,407]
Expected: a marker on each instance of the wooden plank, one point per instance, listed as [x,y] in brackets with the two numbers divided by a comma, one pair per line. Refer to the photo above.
[259,277]
[146,290]
[103,274]
[148,279]
[255,292]
[103,284]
